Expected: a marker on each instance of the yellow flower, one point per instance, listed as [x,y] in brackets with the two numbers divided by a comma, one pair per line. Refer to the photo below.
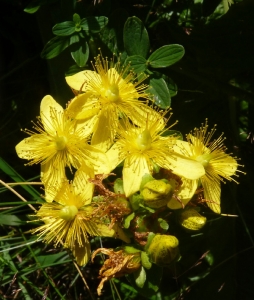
[69,220]
[211,155]
[57,143]
[110,91]
[142,148]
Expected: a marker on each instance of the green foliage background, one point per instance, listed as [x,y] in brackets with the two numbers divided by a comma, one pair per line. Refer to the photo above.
[214,80]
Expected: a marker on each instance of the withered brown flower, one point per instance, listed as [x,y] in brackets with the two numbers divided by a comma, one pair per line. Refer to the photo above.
[118,264]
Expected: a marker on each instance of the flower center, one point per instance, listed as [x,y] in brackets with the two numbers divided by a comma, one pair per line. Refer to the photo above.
[144,140]
[68,212]
[60,142]
[204,159]
[112,93]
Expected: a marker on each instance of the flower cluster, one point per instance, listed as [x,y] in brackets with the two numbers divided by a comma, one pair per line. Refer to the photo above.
[109,126]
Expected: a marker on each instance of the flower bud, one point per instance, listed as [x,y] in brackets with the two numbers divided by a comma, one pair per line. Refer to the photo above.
[163,249]
[157,193]
[190,219]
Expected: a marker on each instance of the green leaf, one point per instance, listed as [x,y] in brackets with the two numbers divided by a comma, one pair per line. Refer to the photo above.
[152,211]
[8,170]
[163,224]
[137,63]
[140,277]
[130,249]
[135,201]
[64,29]
[76,19]
[135,37]
[81,54]
[166,56]
[34,5]
[24,291]
[73,70]
[171,85]
[209,258]
[74,39]
[145,260]
[151,285]
[47,260]
[31,9]
[10,220]
[112,34]
[54,47]
[93,24]
[128,219]
[159,92]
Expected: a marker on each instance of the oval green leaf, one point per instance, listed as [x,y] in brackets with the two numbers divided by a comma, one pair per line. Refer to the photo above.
[80,54]
[32,9]
[76,19]
[54,47]
[145,260]
[140,277]
[137,63]
[33,6]
[135,37]
[163,224]
[166,56]
[93,24]
[64,29]
[159,93]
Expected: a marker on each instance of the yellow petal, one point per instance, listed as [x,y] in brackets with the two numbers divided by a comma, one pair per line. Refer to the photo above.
[116,232]
[225,166]
[185,193]
[104,133]
[83,106]
[88,113]
[25,148]
[185,167]
[48,110]
[86,126]
[183,148]
[100,160]
[36,148]
[104,230]
[114,157]
[135,167]
[140,113]
[212,192]
[82,254]
[78,81]
[53,179]
[120,234]
[81,184]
